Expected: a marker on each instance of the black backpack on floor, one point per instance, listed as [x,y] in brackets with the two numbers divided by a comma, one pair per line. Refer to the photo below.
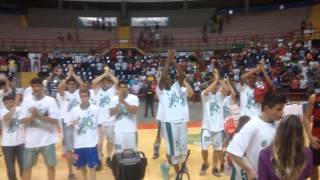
[129,165]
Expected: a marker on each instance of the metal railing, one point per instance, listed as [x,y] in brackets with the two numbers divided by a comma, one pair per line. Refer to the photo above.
[85,45]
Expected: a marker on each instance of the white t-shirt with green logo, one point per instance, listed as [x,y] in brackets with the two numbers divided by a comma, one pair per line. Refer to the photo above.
[13,131]
[126,122]
[252,138]
[39,133]
[248,105]
[173,103]
[212,112]
[85,134]
[103,99]
[67,103]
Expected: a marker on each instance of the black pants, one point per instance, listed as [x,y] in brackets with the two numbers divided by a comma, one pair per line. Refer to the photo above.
[11,154]
[149,105]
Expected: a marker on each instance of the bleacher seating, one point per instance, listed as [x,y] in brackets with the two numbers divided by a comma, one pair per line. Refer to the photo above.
[266,22]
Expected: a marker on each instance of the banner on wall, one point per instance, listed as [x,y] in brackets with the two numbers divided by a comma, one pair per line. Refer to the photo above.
[89,21]
[149,21]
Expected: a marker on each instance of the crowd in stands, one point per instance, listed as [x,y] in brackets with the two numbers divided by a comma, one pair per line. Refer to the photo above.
[292,66]
[152,36]
[69,37]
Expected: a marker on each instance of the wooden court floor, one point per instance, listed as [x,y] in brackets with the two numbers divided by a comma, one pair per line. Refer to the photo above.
[146,140]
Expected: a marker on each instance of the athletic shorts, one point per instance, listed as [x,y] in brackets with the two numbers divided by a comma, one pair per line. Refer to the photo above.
[67,137]
[30,156]
[123,141]
[316,156]
[175,136]
[86,156]
[109,133]
[211,138]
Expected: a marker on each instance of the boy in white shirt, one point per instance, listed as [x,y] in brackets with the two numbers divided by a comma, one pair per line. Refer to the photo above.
[257,134]
[105,87]
[84,120]
[172,99]
[212,132]
[40,115]
[248,103]
[68,97]
[124,108]
[12,136]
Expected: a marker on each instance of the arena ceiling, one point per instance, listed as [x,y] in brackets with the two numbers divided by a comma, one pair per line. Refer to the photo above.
[136,4]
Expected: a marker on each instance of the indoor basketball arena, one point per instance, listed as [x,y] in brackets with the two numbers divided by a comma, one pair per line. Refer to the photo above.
[159,89]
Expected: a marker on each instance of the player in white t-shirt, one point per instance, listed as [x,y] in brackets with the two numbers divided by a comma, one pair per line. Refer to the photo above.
[257,134]
[105,87]
[85,122]
[160,118]
[124,108]
[248,103]
[212,125]
[172,101]
[68,97]
[12,136]
[229,101]
[40,115]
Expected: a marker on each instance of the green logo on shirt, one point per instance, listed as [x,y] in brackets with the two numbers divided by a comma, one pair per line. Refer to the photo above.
[104,101]
[73,103]
[86,123]
[14,124]
[250,100]
[214,108]
[173,100]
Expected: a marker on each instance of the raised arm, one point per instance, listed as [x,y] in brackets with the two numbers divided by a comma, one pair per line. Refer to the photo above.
[62,85]
[96,81]
[181,74]
[165,69]
[189,88]
[267,78]
[213,84]
[246,75]
[231,89]
[113,79]
[78,80]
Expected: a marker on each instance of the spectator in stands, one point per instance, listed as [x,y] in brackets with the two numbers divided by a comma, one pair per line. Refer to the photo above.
[69,36]
[204,33]
[149,99]
[97,24]
[103,24]
[109,26]
[60,36]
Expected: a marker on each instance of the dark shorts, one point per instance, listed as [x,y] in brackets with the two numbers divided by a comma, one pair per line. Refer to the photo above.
[86,156]
[316,156]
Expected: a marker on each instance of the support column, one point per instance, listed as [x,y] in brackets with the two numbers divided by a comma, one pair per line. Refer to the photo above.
[185,4]
[246,6]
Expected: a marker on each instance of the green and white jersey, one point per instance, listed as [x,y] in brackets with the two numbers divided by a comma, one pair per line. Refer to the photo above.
[248,105]
[173,103]
[13,131]
[212,112]
[126,122]
[103,101]
[86,122]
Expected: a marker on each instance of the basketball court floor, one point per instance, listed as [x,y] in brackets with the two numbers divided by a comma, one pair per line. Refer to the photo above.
[146,140]
[146,137]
